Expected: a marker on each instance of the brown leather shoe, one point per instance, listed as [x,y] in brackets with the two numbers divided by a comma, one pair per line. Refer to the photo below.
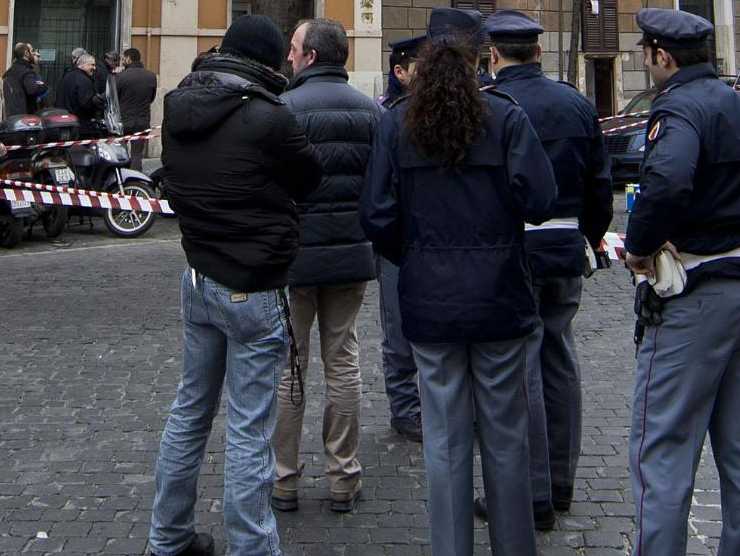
[344,502]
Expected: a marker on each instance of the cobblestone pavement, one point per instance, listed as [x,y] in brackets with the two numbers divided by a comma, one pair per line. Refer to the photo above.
[89,363]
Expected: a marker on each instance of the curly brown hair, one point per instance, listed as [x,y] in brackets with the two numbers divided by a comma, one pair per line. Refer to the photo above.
[445,114]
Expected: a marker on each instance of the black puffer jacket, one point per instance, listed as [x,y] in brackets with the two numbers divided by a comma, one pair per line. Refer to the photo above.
[340,122]
[234,161]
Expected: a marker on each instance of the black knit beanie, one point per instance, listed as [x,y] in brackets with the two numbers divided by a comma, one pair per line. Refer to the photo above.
[256,37]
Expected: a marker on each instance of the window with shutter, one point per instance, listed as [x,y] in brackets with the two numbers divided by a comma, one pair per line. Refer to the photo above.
[600,32]
[486,7]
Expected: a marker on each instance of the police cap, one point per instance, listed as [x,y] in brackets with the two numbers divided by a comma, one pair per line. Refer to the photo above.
[672,28]
[451,23]
[511,26]
[408,48]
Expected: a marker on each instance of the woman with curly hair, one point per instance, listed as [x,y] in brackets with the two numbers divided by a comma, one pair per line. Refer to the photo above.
[454,174]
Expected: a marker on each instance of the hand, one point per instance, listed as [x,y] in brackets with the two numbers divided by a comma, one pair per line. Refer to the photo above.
[641,265]
[668,246]
[3,151]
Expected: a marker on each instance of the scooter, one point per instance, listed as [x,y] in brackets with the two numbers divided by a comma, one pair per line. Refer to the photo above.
[105,167]
[19,217]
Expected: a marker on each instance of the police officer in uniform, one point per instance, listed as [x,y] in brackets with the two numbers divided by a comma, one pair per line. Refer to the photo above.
[399,368]
[401,61]
[567,125]
[448,204]
[688,366]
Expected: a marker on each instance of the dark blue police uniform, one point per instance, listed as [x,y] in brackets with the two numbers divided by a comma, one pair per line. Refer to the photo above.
[399,368]
[406,50]
[466,301]
[688,367]
[567,124]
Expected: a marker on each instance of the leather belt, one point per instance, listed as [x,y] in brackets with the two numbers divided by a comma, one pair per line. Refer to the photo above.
[554,224]
[691,261]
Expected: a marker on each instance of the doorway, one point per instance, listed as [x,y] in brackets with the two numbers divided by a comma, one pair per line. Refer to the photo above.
[56,27]
[600,84]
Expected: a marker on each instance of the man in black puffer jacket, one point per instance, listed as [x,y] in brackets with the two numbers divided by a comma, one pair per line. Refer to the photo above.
[335,262]
[235,161]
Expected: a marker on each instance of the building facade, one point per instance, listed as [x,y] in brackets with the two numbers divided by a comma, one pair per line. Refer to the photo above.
[170,34]
[610,64]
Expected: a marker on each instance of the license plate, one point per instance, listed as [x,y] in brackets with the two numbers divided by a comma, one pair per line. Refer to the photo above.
[64,175]
[18,205]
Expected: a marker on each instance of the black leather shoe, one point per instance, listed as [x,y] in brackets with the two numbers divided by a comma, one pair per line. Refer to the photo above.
[480,508]
[544,516]
[410,429]
[202,545]
[561,497]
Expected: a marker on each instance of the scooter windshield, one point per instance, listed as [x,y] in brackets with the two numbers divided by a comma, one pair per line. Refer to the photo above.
[112,114]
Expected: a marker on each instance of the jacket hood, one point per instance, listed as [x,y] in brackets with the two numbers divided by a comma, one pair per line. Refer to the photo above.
[217,88]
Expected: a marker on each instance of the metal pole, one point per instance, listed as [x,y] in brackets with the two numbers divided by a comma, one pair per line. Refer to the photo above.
[560,40]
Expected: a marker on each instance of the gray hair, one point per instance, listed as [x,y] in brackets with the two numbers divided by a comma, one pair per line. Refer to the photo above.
[85,59]
[328,39]
[77,52]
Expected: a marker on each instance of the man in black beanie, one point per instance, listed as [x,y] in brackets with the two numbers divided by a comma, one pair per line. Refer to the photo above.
[236,162]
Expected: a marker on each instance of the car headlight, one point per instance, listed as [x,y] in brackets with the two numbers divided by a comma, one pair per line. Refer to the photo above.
[637,144]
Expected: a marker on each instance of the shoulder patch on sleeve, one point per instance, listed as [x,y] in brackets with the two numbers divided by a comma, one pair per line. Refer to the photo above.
[398,101]
[656,131]
[492,90]
[569,84]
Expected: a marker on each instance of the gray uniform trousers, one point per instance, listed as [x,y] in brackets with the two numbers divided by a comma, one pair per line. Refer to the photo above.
[491,375]
[688,382]
[398,359]
[554,387]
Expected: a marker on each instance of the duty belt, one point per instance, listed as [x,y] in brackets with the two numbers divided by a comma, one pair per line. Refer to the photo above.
[691,261]
[554,224]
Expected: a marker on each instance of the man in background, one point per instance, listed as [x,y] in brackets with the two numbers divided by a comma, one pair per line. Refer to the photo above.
[137,88]
[23,88]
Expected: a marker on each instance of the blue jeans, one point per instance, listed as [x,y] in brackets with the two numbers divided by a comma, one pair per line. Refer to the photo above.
[241,342]
[398,358]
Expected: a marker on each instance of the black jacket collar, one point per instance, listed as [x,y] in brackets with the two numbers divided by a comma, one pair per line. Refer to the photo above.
[519,71]
[689,73]
[320,72]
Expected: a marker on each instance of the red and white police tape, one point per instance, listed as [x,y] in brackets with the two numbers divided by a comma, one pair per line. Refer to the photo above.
[620,116]
[620,128]
[22,191]
[613,244]
[65,144]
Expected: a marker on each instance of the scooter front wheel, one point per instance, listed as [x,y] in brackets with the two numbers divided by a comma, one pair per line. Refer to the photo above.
[11,231]
[131,223]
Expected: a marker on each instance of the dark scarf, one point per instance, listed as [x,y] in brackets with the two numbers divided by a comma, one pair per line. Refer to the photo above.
[245,68]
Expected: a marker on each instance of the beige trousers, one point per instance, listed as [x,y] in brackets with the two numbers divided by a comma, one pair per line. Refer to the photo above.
[336,308]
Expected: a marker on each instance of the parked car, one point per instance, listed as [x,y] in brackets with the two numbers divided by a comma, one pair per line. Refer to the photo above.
[626,147]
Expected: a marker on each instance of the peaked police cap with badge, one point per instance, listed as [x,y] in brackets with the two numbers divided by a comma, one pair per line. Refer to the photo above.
[452,24]
[408,48]
[511,26]
[672,28]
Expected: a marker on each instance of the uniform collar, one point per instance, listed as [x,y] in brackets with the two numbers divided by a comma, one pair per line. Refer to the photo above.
[518,71]
[689,73]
